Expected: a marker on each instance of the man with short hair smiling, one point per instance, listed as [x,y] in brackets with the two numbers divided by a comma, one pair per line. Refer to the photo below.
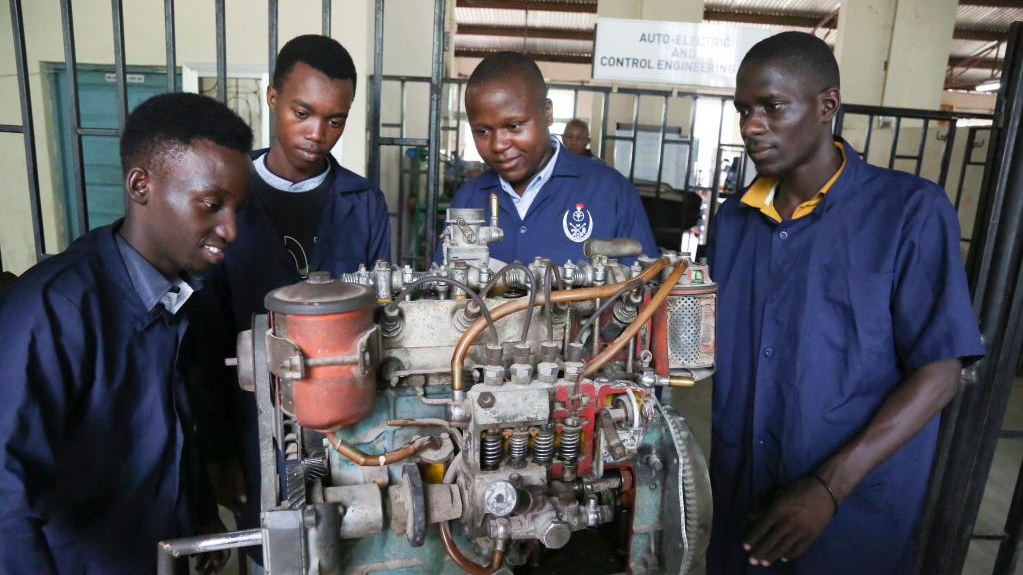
[99,458]
[550,202]
[843,321]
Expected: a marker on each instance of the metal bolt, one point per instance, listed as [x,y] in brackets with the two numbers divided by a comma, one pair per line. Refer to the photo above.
[486,400]
[653,486]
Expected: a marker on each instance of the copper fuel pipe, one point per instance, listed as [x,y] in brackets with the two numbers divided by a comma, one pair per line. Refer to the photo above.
[561,296]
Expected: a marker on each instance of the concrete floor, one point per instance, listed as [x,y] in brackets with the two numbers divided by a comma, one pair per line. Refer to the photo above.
[694,404]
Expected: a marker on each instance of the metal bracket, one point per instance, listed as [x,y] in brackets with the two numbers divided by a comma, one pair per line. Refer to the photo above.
[285,359]
[614,443]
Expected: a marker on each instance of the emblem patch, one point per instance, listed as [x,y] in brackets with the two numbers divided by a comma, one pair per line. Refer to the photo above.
[578,223]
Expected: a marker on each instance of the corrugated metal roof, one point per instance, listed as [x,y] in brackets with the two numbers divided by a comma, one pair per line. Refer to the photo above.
[533,19]
[534,45]
[794,7]
[987,17]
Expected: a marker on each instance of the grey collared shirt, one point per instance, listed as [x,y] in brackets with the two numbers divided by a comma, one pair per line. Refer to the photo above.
[151,285]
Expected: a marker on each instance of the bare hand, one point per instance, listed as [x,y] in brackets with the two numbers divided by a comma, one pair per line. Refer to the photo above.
[212,561]
[794,520]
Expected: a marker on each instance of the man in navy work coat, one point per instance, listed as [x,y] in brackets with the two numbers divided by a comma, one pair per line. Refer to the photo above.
[304,213]
[99,456]
[843,320]
[551,201]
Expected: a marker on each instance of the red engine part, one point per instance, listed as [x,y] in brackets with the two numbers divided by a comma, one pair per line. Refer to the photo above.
[597,396]
[329,321]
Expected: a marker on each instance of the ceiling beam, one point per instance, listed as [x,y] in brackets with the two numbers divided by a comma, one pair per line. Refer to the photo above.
[989,63]
[792,20]
[980,35]
[536,56]
[532,5]
[521,32]
[991,3]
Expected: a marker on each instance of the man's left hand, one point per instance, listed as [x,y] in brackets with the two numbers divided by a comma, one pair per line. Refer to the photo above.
[794,520]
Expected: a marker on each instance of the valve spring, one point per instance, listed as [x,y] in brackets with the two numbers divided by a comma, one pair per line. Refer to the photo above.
[543,446]
[570,443]
[519,445]
[492,449]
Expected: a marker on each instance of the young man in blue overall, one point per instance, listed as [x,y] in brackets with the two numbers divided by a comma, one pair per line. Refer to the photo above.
[305,213]
[98,453]
[551,201]
[843,322]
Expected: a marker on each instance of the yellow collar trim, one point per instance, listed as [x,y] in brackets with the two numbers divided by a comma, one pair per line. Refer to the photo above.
[761,194]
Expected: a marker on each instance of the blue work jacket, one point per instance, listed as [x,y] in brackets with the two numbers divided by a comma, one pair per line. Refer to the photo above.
[354,229]
[99,458]
[819,319]
[582,200]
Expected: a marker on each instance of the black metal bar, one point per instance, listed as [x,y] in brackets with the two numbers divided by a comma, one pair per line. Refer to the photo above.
[169,36]
[77,161]
[221,52]
[690,155]
[895,142]
[911,112]
[971,134]
[403,142]
[373,167]
[436,95]
[1008,551]
[995,273]
[11,128]
[458,126]
[660,149]
[27,127]
[1011,434]
[920,151]
[603,125]
[120,72]
[946,156]
[712,210]
[839,122]
[635,139]
[401,111]
[325,30]
[401,174]
[272,18]
[870,135]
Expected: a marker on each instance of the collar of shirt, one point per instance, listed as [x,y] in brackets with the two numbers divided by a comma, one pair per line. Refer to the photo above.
[523,202]
[761,194]
[278,183]
[150,285]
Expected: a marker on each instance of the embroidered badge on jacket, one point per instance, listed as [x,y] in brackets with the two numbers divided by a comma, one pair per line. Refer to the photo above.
[578,224]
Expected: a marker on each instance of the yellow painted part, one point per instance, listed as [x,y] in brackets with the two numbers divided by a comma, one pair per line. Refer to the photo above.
[434,473]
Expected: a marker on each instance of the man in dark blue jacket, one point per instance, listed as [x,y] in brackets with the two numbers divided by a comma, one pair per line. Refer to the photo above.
[305,213]
[551,201]
[99,459]
[843,321]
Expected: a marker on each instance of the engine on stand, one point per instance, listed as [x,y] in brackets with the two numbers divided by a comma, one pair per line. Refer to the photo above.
[479,417]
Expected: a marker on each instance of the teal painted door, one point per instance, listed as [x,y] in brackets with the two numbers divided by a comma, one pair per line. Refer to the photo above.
[97,97]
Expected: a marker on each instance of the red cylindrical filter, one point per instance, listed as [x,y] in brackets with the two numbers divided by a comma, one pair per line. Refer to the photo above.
[682,332]
[322,346]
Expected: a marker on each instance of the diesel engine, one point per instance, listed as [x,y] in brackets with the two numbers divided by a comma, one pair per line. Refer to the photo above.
[480,417]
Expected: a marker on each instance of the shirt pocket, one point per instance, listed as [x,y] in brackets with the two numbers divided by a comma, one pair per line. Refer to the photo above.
[853,313]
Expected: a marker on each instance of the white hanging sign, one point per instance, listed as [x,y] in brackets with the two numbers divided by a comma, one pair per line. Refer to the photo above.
[687,53]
